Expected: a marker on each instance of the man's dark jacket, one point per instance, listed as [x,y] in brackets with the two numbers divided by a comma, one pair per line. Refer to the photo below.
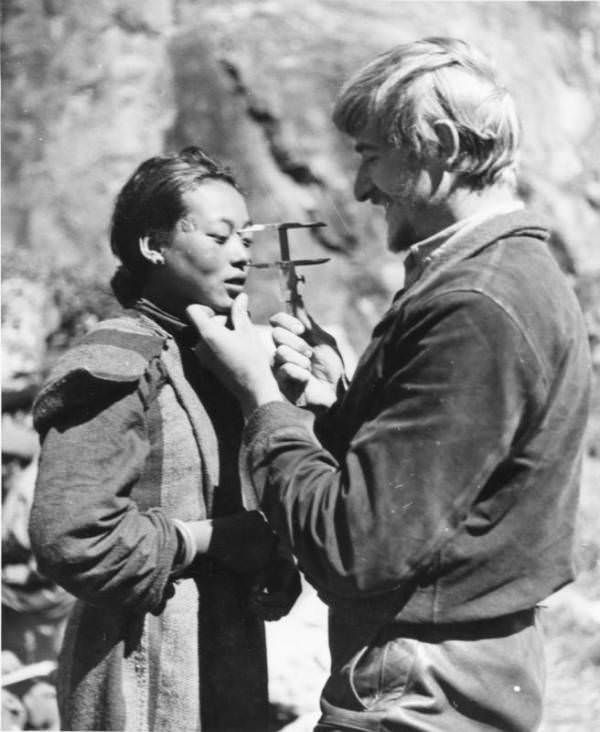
[444,483]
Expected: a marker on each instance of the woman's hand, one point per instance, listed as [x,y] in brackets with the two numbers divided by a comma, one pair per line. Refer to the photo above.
[307,361]
[276,589]
[243,541]
[235,355]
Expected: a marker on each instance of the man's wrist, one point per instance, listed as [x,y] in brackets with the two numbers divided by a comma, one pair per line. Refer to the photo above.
[255,400]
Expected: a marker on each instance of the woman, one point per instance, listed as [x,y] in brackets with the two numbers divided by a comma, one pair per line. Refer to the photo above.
[138,508]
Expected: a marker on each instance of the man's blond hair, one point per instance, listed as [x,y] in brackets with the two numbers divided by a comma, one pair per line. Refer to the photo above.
[409,89]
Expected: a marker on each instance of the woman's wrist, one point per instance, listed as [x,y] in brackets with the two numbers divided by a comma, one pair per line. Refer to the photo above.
[195,538]
[241,541]
[198,535]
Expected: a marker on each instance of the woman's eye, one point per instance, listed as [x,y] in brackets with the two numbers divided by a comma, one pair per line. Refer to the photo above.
[218,238]
[247,242]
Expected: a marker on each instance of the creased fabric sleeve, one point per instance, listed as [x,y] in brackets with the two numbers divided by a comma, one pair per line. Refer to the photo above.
[370,522]
[87,533]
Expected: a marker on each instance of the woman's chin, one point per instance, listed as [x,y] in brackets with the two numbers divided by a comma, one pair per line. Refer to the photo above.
[223,307]
[234,290]
[222,310]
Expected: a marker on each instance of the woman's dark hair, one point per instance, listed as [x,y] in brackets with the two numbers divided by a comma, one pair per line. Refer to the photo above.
[150,204]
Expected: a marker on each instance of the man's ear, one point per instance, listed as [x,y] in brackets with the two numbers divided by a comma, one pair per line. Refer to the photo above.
[447,135]
[148,253]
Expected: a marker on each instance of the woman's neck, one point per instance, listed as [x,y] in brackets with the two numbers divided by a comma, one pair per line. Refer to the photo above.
[172,322]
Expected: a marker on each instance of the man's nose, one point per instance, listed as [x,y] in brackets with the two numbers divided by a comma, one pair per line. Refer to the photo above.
[363,185]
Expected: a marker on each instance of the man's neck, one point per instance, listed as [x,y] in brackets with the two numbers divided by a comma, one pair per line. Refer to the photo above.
[469,214]
[461,204]
[466,203]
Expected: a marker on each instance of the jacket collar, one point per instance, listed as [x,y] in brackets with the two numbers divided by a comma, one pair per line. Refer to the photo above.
[470,239]
[424,252]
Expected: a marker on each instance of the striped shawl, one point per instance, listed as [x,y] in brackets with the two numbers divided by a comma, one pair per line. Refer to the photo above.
[188,655]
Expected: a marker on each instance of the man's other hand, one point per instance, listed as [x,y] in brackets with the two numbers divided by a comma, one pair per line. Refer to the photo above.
[235,355]
[307,363]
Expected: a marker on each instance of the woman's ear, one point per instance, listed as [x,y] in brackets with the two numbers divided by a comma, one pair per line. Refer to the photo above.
[449,141]
[148,253]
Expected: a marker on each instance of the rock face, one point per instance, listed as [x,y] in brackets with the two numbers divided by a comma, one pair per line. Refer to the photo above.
[85,89]
[28,317]
[90,89]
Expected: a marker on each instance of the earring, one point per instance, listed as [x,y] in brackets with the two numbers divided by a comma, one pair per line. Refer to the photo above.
[157,258]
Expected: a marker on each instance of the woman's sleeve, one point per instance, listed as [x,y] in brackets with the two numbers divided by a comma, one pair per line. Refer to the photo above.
[87,533]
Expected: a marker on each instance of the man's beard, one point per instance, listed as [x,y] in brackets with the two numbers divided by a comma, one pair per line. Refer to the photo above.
[401,236]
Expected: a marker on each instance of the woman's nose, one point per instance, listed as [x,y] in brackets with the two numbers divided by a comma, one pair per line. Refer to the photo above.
[239,252]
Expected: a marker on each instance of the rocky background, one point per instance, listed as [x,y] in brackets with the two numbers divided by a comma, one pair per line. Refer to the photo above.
[92,87]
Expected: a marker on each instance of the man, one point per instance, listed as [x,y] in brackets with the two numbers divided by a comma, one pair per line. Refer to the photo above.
[433,503]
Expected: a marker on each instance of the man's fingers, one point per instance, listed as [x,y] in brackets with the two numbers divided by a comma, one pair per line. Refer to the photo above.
[303,325]
[239,311]
[209,326]
[283,338]
[292,373]
[287,322]
[200,316]
[286,354]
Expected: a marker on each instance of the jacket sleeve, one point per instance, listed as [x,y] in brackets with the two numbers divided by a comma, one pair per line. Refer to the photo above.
[453,400]
[87,533]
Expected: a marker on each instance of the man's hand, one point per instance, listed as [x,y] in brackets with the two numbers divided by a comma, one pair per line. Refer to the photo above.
[307,360]
[235,355]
